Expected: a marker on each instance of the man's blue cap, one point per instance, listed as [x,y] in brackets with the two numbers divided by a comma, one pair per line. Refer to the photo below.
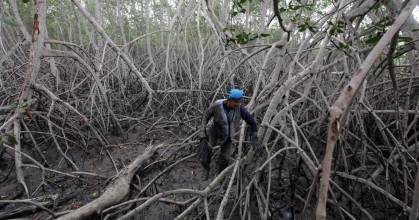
[235,94]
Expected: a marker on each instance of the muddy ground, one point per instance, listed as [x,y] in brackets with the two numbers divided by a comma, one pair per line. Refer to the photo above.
[70,193]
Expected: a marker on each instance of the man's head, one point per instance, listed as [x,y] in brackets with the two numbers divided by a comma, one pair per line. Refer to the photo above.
[234,98]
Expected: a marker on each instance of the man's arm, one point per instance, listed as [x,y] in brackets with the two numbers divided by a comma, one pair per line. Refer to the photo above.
[207,116]
[248,118]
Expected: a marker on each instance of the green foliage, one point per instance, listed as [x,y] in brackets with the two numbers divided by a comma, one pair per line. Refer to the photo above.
[307,24]
[343,46]
[242,37]
[374,38]
[26,1]
[294,7]
[337,28]
[8,139]
[238,7]
[245,6]
[294,12]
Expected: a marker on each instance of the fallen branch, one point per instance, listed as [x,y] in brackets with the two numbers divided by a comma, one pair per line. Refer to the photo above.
[115,192]
[38,205]
[156,198]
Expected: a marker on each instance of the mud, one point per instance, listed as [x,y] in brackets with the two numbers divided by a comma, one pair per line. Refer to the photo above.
[72,193]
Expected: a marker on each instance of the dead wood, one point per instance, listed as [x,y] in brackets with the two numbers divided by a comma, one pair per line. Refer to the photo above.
[116,191]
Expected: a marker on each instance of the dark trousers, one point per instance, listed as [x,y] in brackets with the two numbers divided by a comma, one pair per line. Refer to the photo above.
[224,158]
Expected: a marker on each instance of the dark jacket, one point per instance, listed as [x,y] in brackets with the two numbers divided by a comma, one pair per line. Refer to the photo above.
[220,127]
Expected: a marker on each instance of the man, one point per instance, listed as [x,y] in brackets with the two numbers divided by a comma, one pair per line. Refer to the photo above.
[225,123]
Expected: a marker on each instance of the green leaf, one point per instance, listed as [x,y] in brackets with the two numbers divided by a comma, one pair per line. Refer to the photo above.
[253,37]
[302,27]
[337,28]
[9,139]
[26,1]
[243,38]
[312,29]
[343,45]
[373,39]
[340,23]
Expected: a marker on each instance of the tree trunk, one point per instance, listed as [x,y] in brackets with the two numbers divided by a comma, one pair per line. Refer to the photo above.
[340,108]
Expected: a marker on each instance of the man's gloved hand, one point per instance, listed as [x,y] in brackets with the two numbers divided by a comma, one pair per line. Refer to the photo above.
[202,135]
[255,142]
